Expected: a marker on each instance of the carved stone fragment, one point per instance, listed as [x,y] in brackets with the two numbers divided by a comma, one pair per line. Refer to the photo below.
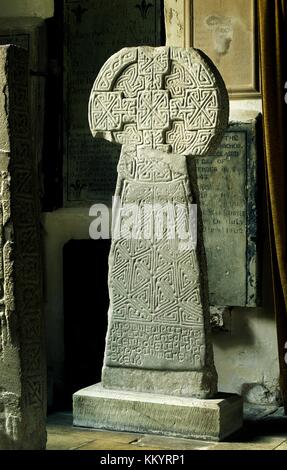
[22,364]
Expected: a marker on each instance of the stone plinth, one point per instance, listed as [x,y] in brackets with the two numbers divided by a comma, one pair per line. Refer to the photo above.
[212,419]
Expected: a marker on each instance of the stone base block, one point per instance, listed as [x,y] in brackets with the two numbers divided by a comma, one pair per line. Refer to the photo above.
[213,419]
[181,383]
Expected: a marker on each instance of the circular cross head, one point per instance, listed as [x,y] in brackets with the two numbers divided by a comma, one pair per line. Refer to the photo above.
[165,98]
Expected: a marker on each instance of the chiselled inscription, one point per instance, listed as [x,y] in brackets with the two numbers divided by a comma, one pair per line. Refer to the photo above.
[227,183]
[132,344]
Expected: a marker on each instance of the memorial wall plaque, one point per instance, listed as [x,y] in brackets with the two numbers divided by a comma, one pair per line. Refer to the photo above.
[227,184]
[95,29]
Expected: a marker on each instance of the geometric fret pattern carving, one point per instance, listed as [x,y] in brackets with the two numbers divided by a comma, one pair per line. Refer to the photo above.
[154,286]
[161,104]
[22,358]
[175,94]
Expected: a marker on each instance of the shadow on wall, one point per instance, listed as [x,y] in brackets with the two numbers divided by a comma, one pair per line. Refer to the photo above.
[237,330]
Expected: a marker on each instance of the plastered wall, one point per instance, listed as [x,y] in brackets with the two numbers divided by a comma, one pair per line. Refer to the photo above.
[14,8]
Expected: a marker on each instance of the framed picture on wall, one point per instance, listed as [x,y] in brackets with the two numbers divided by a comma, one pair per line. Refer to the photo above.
[226,31]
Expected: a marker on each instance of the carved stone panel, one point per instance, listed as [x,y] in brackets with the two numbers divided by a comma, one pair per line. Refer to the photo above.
[30,34]
[170,99]
[161,104]
[157,312]
[22,364]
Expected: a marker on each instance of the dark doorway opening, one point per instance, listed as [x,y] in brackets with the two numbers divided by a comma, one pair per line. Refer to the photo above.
[86,301]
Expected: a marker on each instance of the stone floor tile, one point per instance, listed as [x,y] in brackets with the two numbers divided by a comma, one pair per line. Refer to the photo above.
[171,443]
[282,446]
[268,433]
[67,440]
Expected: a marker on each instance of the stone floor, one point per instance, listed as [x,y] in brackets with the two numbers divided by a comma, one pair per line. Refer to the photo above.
[265,428]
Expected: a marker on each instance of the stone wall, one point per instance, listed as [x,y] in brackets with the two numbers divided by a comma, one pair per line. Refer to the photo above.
[42,9]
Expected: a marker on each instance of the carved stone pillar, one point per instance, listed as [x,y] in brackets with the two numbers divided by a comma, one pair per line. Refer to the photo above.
[163,105]
[22,360]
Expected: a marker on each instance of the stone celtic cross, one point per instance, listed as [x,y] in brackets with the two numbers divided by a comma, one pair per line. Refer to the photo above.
[170,99]
[161,104]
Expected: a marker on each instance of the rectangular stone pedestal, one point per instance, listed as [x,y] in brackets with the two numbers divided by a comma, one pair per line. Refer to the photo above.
[211,419]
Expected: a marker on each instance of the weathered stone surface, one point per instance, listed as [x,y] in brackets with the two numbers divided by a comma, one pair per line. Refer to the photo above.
[162,105]
[212,419]
[167,98]
[154,101]
[175,16]
[158,312]
[30,34]
[22,365]
[227,181]
[90,165]
[171,382]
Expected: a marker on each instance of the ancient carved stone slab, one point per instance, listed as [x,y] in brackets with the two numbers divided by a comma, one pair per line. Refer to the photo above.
[22,365]
[157,312]
[227,182]
[95,29]
[161,104]
[30,34]
[158,317]
[171,99]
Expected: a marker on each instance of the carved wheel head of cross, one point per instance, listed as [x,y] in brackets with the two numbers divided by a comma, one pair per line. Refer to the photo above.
[165,98]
